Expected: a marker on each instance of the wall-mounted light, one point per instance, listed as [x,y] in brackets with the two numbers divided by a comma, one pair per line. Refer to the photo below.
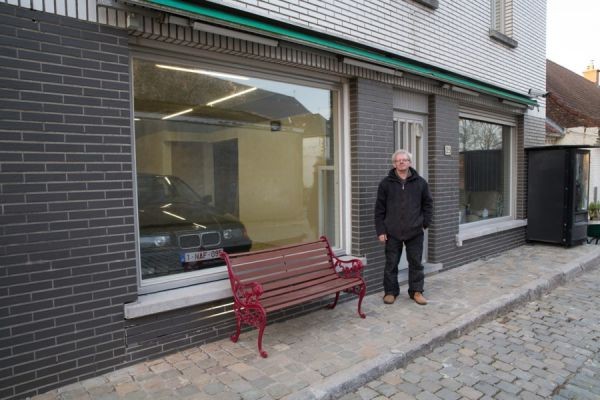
[203,72]
[179,113]
[176,20]
[459,89]
[512,103]
[199,26]
[212,103]
[371,66]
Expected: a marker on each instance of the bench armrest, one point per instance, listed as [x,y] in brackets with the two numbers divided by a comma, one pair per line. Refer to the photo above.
[247,293]
[351,268]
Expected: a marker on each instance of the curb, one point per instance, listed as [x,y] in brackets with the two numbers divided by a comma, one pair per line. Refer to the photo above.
[352,378]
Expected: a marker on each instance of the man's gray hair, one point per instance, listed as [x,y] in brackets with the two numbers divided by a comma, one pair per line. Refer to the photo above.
[402,151]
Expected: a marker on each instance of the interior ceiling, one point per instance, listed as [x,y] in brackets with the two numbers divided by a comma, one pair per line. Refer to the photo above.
[164,91]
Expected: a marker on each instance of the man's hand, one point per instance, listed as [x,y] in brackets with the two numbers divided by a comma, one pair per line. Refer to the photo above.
[382,238]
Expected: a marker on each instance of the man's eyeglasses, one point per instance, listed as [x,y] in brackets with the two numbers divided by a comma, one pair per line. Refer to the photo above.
[402,161]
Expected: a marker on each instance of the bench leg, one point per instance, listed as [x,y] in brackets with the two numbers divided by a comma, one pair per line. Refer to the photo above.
[332,305]
[361,295]
[238,327]
[261,330]
[258,318]
[253,315]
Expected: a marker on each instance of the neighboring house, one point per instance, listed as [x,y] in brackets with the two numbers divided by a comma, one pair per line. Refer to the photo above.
[573,113]
[278,119]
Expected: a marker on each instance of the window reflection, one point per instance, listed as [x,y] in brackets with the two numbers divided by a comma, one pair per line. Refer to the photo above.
[582,173]
[484,163]
[247,163]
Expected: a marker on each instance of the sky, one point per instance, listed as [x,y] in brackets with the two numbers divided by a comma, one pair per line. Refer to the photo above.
[573,33]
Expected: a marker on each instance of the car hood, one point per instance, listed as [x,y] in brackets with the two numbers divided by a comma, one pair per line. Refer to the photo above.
[184,215]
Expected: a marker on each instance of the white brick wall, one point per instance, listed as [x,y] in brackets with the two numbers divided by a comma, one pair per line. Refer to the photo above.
[453,37]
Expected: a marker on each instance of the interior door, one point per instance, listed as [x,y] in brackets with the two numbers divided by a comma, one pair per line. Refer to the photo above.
[409,134]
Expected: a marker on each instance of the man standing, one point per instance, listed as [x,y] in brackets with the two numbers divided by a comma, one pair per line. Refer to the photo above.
[402,211]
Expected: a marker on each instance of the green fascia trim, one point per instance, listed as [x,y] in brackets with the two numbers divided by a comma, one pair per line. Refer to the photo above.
[330,44]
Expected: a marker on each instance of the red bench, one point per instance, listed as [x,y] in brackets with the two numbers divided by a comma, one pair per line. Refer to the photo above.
[269,280]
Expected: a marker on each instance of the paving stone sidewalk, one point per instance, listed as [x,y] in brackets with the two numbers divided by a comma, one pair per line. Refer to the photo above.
[547,348]
[327,354]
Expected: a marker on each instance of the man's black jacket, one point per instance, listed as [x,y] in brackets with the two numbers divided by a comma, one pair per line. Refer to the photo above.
[403,210]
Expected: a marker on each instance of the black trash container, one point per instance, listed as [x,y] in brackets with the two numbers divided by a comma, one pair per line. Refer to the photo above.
[557,196]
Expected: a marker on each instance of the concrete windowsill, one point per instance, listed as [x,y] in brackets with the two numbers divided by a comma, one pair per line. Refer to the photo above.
[488,229]
[154,303]
[504,39]
[433,4]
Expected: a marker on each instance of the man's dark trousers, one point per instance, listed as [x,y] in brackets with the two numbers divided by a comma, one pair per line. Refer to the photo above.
[414,254]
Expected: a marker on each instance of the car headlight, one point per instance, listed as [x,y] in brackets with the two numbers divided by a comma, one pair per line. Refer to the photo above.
[235,233]
[154,241]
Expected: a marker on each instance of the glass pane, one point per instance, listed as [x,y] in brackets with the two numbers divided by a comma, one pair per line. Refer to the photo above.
[582,173]
[396,138]
[229,162]
[418,163]
[401,135]
[484,170]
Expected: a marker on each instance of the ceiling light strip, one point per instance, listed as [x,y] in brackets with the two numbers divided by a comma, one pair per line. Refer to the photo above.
[203,72]
[179,113]
[210,104]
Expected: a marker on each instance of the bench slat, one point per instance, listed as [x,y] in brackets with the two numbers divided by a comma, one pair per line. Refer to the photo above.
[297,280]
[304,261]
[275,274]
[297,297]
[298,285]
[245,266]
[275,252]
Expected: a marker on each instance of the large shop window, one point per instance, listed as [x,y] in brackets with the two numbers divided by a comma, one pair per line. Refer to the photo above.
[227,161]
[484,170]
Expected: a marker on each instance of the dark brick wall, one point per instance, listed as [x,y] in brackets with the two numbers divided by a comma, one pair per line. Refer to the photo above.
[484,246]
[371,146]
[161,334]
[443,180]
[67,253]
[443,177]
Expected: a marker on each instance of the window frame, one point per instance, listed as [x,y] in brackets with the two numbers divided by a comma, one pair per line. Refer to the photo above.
[262,70]
[471,228]
[501,22]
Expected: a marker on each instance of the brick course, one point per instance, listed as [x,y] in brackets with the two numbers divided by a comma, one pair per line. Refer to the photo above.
[66,203]
[371,146]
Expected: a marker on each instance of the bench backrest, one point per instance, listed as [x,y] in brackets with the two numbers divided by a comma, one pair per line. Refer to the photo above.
[283,266]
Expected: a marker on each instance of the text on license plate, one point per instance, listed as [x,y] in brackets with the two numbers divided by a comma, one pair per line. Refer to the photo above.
[201,255]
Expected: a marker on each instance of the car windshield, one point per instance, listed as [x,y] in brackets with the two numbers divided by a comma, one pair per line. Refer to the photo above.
[158,189]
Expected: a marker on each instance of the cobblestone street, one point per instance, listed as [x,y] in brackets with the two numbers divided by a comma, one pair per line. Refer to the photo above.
[548,348]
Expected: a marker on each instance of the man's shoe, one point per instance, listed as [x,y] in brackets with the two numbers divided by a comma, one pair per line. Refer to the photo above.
[389,299]
[419,299]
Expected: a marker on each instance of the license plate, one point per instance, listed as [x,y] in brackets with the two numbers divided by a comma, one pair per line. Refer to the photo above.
[201,255]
